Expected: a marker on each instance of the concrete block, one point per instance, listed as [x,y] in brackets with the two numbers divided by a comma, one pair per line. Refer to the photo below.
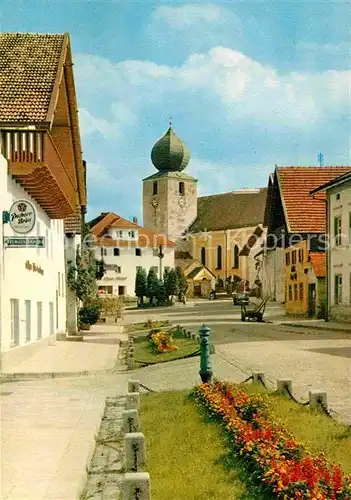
[132,401]
[258,378]
[283,384]
[130,363]
[134,451]
[130,421]
[136,486]
[133,385]
[316,398]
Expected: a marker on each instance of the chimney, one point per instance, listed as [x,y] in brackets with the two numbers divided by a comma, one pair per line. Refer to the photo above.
[135,220]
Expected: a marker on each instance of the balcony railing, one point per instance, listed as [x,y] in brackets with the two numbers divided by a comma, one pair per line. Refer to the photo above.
[34,161]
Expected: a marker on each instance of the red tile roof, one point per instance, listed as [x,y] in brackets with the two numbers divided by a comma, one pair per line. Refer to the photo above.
[146,237]
[28,67]
[318,263]
[305,213]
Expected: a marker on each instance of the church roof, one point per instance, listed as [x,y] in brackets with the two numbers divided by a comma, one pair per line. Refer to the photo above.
[170,154]
[231,210]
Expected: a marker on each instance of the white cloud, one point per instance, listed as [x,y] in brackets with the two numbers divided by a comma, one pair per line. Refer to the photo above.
[329,49]
[235,85]
[186,16]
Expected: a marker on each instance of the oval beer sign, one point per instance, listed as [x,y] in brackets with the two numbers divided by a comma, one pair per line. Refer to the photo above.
[22,216]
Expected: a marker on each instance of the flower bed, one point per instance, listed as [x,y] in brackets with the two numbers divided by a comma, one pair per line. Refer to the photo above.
[161,342]
[278,461]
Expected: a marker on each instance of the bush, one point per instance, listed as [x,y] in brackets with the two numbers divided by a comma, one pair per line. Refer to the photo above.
[111,306]
[89,315]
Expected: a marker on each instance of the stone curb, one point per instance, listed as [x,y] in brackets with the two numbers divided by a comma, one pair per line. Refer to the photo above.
[318,327]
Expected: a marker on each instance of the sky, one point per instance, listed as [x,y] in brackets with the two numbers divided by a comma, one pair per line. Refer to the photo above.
[248,84]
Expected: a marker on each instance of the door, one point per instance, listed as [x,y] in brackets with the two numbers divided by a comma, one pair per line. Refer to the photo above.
[311,300]
[51,308]
[14,321]
[57,309]
[121,290]
[28,319]
[39,320]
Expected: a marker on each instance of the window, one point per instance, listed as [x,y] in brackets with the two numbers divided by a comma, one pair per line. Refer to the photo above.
[28,319]
[338,196]
[131,234]
[105,252]
[290,292]
[219,257]
[59,283]
[287,258]
[293,256]
[155,188]
[14,321]
[121,290]
[138,252]
[116,252]
[39,320]
[301,292]
[300,254]
[337,230]
[181,188]
[118,269]
[338,289]
[203,256]
[109,290]
[295,292]
[236,257]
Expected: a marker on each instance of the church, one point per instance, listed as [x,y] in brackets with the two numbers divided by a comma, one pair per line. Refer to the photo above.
[216,236]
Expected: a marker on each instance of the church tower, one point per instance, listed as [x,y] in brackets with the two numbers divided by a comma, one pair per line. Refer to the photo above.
[169,195]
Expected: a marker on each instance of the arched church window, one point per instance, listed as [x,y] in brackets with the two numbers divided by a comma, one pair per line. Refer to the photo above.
[181,188]
[155,188]
[236,257]
[219,257]
[203,256]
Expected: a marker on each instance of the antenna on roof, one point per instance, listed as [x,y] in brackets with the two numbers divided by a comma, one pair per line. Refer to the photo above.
[321,159]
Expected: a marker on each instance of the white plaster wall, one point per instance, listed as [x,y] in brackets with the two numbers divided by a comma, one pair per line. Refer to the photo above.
[273,272]
[340,257]
[19,283]
[129,262]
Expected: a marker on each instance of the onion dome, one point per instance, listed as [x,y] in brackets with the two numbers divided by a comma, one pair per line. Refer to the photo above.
[170,154]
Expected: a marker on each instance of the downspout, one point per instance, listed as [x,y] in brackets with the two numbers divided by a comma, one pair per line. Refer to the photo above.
[327,262]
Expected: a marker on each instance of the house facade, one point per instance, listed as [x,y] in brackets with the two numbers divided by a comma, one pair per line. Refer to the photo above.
[338,255]
[42,186]
[124,246]
[295,243]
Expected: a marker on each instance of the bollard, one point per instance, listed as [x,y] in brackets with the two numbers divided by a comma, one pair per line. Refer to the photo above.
[317,399]
[136,486]
[205,356]
[130,421]
[133,385]
[134,450]
[197,338]
[258,378]
[132,401]
[284,385]
[130,363]
[193,337]
[188,334]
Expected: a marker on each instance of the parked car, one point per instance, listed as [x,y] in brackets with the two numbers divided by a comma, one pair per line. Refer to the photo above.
[240,298]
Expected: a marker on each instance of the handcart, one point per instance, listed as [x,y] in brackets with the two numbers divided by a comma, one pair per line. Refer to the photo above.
[253,311]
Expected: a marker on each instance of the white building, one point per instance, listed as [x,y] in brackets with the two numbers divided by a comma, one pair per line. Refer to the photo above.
[338,254]
[42,174]
[124,246]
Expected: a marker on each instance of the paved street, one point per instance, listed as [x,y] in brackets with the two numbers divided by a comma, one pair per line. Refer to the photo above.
[52,421]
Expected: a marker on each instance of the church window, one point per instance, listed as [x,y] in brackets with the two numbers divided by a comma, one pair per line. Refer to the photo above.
[203,256]
[182,188]
[236,257]
[155,188]
[219,257]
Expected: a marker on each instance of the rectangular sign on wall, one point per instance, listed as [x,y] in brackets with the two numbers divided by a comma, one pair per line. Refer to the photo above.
[24,242]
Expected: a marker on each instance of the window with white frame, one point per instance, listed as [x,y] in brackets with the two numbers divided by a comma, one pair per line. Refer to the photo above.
[337,230]
[338,289]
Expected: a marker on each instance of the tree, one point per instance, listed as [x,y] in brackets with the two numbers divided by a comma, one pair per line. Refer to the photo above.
[182,283]
[160,293]
[171,284]
[111,306]
[140,284]
[100,269]
[152,284]
[81,277]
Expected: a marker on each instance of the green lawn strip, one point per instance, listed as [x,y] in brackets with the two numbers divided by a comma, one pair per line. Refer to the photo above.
[186,457]
[316,431]
[134,327]
[143,352]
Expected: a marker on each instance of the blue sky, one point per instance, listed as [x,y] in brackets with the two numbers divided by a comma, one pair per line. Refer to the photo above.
[248,85]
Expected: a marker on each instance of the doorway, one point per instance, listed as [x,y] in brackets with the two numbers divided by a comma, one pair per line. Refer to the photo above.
[28,320]
[311,300]
[121,290]
[14,321]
